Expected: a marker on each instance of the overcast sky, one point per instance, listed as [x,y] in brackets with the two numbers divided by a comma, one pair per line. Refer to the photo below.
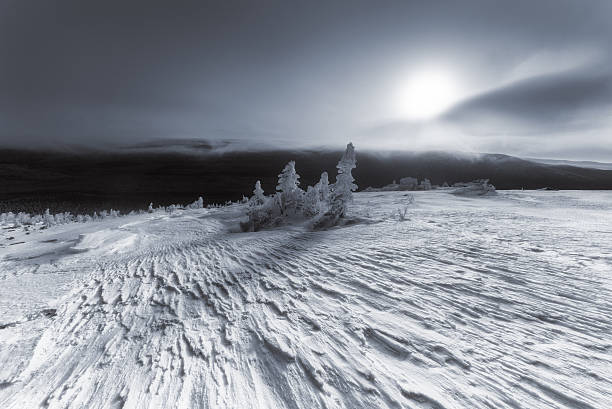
[529,78]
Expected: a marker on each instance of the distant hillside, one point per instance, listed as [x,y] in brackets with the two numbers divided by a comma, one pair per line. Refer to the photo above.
[90,181]
[578,163]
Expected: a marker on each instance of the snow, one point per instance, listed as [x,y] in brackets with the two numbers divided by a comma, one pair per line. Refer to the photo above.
[470,302]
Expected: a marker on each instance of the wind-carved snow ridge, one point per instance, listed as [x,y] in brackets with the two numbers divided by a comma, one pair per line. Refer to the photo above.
[462,306]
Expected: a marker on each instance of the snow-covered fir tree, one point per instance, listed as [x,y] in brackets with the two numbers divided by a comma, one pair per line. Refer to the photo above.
[288,186]
[312,201]
[342,191]
[259,210]
[323,188]
[198,204]
[258,194]
[48,219]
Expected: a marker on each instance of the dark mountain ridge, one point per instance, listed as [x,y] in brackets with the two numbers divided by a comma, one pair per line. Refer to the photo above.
[87,181]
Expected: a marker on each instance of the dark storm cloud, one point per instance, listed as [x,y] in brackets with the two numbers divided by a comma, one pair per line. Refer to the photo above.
[300,73]
[549,101]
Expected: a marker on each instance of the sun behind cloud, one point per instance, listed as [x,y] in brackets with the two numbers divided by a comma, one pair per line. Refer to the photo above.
[426,93]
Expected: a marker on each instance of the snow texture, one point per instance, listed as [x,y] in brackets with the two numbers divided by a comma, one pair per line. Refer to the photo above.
[471,302]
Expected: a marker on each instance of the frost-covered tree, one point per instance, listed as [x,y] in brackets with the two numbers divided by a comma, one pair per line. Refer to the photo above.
[10,217]
[288,186]
[23,219]
[48,219]
[342,191]
[323,187]
[425,184]
[408,183]
[259,211]
[312,201]
[258,194]
[150,210]
[198,204]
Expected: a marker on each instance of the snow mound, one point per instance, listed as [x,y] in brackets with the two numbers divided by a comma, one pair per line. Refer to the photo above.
[110,241]
[469,304]
[476,188]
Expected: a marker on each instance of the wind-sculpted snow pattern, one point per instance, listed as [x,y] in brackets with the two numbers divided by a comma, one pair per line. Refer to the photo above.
[497,302]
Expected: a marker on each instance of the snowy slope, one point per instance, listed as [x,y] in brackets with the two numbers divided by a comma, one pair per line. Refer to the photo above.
[500,302]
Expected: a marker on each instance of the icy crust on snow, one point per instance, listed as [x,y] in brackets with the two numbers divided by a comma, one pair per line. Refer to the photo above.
[498,302]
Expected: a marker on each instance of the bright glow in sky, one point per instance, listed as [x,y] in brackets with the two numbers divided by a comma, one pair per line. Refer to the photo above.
[532,79]
[426,93]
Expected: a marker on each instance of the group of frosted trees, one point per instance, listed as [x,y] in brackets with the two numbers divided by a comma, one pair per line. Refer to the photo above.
[47,219]
[325,203]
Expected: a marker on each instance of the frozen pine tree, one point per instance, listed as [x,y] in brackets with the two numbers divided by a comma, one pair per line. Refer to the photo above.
[198,204]
[48,219]
[323,188]
[342,191]
[259,210]
[425,184]
[258,194]
[312,202]
[288,186]
[23,218]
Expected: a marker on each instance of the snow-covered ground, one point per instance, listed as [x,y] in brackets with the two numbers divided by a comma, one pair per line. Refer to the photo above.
[487,302]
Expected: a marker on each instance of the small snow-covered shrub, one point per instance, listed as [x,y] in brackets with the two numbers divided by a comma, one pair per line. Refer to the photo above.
[401,214]
[260,209]
[479,187]
[48,219]
[198,204]
[425,185]
[408,183]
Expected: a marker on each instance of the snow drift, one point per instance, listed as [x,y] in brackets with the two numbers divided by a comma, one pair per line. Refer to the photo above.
[461,306]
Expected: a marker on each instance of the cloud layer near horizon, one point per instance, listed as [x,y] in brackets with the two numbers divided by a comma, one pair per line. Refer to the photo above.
[535,76]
